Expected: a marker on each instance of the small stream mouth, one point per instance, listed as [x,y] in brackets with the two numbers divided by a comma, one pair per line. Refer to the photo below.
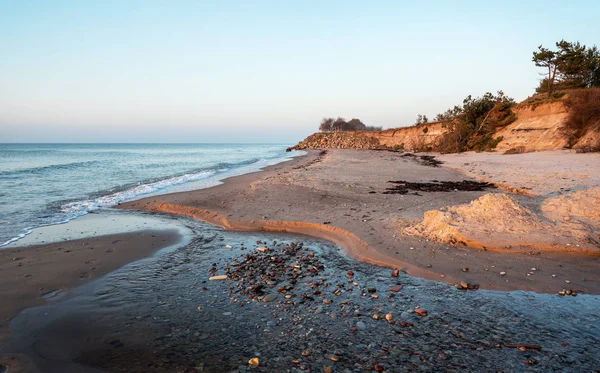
[291,301]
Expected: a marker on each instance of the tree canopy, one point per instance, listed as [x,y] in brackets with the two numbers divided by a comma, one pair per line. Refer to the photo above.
[570,65]
[340,124]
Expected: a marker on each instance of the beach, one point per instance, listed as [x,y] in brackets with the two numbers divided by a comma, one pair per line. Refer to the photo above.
[347,229]
[338,194]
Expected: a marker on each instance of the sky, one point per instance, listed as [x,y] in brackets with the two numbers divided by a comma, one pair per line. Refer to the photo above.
[261,71]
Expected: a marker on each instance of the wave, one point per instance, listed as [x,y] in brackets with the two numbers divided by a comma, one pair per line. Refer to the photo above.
[63,211]
[41,169]
[84,206]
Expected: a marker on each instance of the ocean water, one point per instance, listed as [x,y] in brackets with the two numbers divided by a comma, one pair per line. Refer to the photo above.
[44,184]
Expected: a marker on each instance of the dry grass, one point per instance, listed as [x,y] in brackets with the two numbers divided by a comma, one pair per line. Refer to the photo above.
[583,107]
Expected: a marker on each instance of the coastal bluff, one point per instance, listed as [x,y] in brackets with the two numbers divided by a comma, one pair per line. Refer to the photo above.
[536,128]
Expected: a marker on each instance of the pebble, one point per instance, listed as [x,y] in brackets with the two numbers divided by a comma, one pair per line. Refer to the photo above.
[421,312]
[217,278]
[269,298]
[253,363]
[502,273]
[389,317]
[395,272]
[396,288]
[361,325]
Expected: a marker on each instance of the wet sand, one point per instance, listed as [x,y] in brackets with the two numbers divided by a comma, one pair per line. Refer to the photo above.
[31,276]
[339,195]
[297,305]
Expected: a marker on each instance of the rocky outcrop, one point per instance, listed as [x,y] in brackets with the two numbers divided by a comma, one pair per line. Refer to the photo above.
[416,138]
[338,140]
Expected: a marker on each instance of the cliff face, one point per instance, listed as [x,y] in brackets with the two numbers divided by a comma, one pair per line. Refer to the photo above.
[536,128]
[409,138]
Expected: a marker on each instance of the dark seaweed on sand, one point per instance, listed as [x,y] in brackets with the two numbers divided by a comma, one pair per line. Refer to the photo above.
[403,187]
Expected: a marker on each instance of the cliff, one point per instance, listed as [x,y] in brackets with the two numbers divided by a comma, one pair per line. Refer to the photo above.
[537,127]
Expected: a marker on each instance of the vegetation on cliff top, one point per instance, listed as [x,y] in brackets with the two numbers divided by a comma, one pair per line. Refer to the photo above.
[471,125]
[340,124]
[571,65]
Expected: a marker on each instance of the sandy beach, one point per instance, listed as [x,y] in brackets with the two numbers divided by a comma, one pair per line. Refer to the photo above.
[339,195]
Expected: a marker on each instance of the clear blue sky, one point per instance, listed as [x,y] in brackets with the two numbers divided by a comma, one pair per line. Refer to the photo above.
[264,71]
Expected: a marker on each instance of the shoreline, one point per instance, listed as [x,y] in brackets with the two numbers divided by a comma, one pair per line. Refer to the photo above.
[234,205]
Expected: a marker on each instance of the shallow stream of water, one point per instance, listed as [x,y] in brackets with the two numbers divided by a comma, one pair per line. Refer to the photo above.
[163,315]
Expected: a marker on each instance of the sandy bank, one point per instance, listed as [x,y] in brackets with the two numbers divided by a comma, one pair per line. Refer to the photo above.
[33,275]
[340,196]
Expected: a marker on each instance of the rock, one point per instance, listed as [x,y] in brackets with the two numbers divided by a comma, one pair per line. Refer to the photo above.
[465,269]
[396,288]
[327,370]
[269,298]
[228,246]
[389,317]
[395,272]
[421,312]
[226,313]
[218,278]
[502,273]
[305,353]
[372,290]
[261,249]
[253,363]
[375,316]
[361,325]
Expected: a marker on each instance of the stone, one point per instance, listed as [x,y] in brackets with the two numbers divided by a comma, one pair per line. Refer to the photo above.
[269,298]
[254,362]
[261,249]
[361,325]
[396,288]
[218,278]
[502,273]
[327,370]
[421,312]
[395,272]
[389,317]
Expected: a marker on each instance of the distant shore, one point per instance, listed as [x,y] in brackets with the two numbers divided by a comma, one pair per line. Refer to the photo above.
[339,195]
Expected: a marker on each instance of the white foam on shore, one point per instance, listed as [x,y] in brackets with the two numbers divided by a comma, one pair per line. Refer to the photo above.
[133,193]
[79,210]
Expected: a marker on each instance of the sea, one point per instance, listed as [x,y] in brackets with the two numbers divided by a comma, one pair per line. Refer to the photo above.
[47,184]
